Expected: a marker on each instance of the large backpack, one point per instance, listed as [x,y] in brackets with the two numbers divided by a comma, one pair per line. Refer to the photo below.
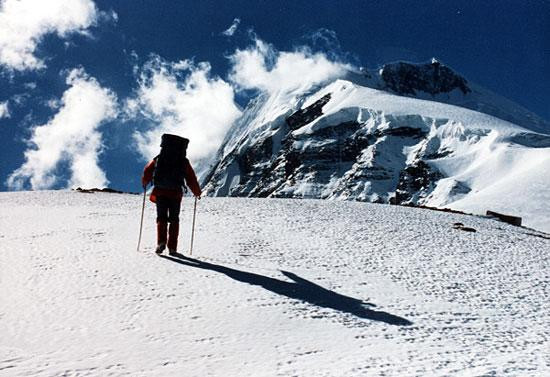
[169,164]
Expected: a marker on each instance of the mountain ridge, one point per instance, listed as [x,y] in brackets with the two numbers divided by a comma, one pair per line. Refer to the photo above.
[437,82]
[348,141]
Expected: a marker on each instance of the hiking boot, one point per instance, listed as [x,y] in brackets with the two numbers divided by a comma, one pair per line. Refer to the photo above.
[160,248]
[172,252]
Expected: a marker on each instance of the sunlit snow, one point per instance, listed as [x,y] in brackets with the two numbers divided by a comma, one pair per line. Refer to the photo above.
[274,287]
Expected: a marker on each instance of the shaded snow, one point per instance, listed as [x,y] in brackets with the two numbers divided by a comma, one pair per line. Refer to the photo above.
[275,287]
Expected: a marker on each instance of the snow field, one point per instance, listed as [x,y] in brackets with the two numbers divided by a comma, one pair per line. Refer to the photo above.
[274,288]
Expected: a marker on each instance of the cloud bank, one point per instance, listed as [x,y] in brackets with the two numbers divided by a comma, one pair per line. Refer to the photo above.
[185,99]
[264,68]
[70,137]
[23,24]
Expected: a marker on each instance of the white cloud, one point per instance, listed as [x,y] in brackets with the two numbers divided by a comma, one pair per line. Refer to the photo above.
[233,28]
[325,37]
[23,24]
[4,110]
[53,103]
[183,98]
[71,137]
[262,67]
[20,99]
[30,85]
[110,16]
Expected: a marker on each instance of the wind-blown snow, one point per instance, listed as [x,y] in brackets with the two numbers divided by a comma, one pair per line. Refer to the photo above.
[274,287]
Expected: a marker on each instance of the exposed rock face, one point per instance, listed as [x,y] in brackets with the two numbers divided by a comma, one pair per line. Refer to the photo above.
[350,160]
[415,181]
[309,114]
[435,78]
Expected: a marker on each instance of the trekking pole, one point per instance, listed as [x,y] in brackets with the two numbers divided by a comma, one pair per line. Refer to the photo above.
[142,211]
[193,228]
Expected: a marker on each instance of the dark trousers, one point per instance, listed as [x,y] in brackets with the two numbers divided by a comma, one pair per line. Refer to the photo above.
[168,209]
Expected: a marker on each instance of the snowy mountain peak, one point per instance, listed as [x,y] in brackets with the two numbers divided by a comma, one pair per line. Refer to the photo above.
[435,81]
[351,140]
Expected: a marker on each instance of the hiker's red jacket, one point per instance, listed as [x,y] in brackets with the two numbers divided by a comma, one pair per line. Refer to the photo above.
[190,181]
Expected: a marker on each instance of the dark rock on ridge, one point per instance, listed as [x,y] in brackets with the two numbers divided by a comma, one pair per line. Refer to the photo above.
[309,114]
[433,78]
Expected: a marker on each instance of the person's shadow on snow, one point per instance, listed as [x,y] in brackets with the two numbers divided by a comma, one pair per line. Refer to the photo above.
[299,289]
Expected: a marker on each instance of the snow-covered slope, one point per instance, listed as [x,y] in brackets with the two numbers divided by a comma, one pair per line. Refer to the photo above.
[347,141]
[274,288]
[437,82]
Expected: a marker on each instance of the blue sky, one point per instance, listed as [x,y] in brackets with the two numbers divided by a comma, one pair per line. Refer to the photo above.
[95,75]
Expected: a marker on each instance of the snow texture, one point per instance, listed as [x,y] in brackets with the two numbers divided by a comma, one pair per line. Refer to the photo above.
[275,287]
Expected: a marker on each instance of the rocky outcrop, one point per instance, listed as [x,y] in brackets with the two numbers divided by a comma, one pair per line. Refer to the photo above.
[433,78]
[309,114]
[107,190]
[415,181]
